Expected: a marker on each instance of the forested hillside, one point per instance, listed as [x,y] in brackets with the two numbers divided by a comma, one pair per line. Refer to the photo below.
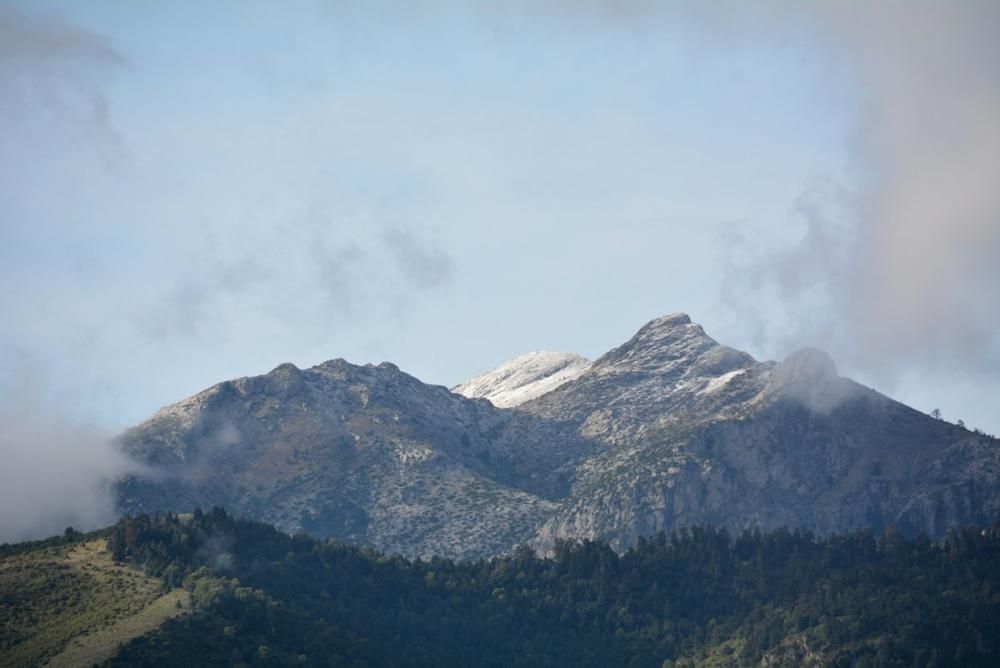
[701,597]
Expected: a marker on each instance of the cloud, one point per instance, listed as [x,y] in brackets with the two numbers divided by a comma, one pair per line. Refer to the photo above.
[56,471]
[25,37]
[782,292]
[897,266]
[50,81]
[903,270]
[925,283]
[305,275]
[422,265]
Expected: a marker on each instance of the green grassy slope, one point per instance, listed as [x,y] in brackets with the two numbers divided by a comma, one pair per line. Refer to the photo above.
[65,603]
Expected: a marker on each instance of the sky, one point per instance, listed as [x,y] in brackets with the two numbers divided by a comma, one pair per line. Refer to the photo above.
[199,191]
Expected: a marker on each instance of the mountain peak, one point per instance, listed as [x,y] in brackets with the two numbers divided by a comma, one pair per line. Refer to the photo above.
[663,342]
[338,363]
[286,370]
[668,321]
[668,329]
[524,378]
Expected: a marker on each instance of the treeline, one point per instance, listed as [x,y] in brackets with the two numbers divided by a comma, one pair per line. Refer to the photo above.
[701,596]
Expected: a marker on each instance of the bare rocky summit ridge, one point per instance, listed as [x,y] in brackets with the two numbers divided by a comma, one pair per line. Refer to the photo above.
[669,429]
[367,454]
[702,433]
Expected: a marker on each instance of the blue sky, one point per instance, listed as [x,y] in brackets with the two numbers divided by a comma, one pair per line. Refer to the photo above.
[199,191]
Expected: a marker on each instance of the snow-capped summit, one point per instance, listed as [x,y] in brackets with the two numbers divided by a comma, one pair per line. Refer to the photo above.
[524,378]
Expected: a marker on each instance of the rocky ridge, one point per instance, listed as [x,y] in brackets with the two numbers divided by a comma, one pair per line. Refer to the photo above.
[367,454]
[669,429]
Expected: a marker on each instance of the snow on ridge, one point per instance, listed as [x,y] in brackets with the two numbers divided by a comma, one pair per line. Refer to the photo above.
[717,383]
[524,378]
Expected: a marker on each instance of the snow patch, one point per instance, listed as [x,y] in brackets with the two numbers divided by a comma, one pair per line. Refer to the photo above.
[524,378]
[718,383]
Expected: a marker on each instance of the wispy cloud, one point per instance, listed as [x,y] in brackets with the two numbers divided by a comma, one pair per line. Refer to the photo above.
[57,471]
[418,262]
[900,271]
[304,275]
[50,81]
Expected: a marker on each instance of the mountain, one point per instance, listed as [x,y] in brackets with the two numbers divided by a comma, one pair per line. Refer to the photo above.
[702,433]
[368,454]
[670,429]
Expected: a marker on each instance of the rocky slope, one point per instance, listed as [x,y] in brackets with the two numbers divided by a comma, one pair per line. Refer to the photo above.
[367,454]
[701,433]
[669,429]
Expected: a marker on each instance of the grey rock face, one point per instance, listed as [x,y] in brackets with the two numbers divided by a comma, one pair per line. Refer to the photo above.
[366,454]
[669,429]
